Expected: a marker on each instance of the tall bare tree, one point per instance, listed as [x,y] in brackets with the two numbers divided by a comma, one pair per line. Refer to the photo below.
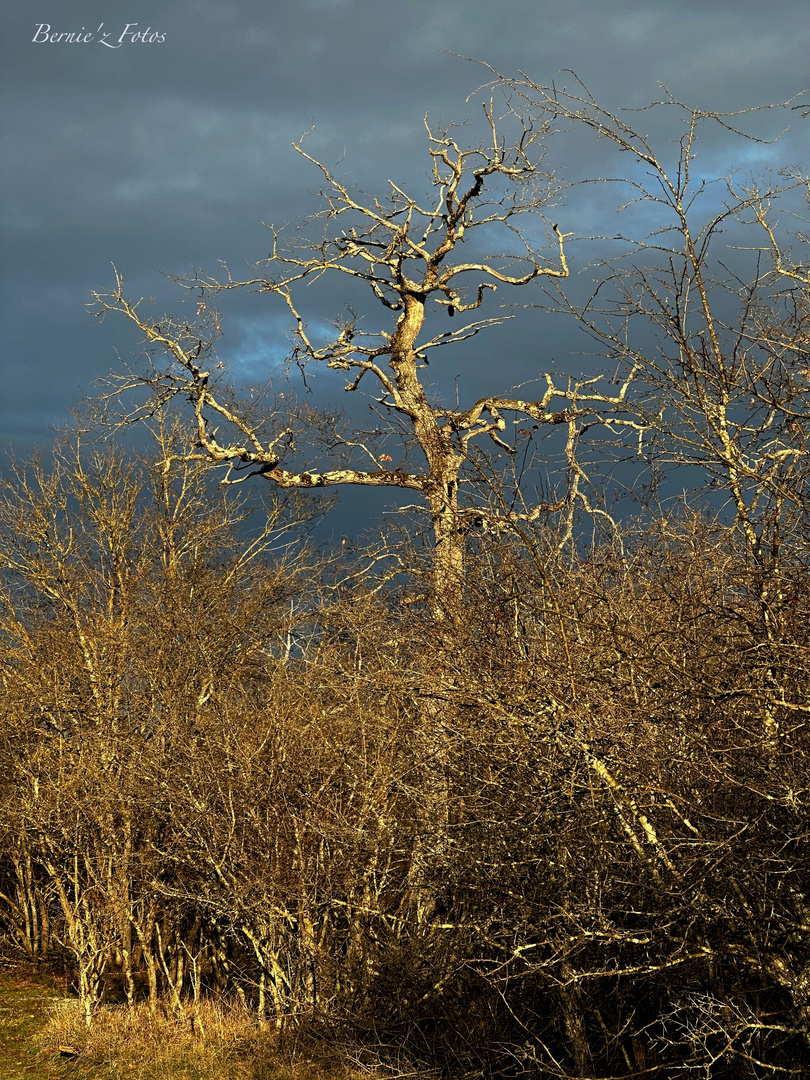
[410,254]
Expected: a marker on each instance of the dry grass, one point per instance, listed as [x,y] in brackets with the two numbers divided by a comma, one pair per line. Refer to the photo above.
[214,1041]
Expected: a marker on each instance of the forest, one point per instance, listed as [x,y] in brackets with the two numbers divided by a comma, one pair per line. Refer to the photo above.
[518,787]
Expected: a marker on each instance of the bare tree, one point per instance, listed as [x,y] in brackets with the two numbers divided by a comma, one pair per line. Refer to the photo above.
[409,255]
[709,307]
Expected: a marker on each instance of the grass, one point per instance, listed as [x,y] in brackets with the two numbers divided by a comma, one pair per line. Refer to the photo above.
[43,1037]
[223,1042]
[27,1000]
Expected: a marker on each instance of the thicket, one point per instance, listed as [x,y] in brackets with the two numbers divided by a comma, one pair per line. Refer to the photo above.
[565,835]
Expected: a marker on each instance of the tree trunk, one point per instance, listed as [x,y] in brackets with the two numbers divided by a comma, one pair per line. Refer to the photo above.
[448,554]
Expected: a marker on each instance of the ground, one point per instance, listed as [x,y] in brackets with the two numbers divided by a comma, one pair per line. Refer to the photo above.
[26,1002]
[130,1044]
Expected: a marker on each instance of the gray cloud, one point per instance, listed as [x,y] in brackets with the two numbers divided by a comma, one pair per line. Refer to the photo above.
[167,155]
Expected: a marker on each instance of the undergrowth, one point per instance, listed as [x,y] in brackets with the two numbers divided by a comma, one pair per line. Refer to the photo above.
[214,1040]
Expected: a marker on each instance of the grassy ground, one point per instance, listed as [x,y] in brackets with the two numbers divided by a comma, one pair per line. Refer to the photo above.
[43,1037]
[26,1004]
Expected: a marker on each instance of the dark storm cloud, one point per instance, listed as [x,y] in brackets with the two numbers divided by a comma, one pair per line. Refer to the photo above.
[166,155]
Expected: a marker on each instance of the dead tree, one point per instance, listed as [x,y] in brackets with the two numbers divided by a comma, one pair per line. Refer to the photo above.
[409,255]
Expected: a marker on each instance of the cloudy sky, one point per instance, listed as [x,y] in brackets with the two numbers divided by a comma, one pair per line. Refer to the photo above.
[166,153]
